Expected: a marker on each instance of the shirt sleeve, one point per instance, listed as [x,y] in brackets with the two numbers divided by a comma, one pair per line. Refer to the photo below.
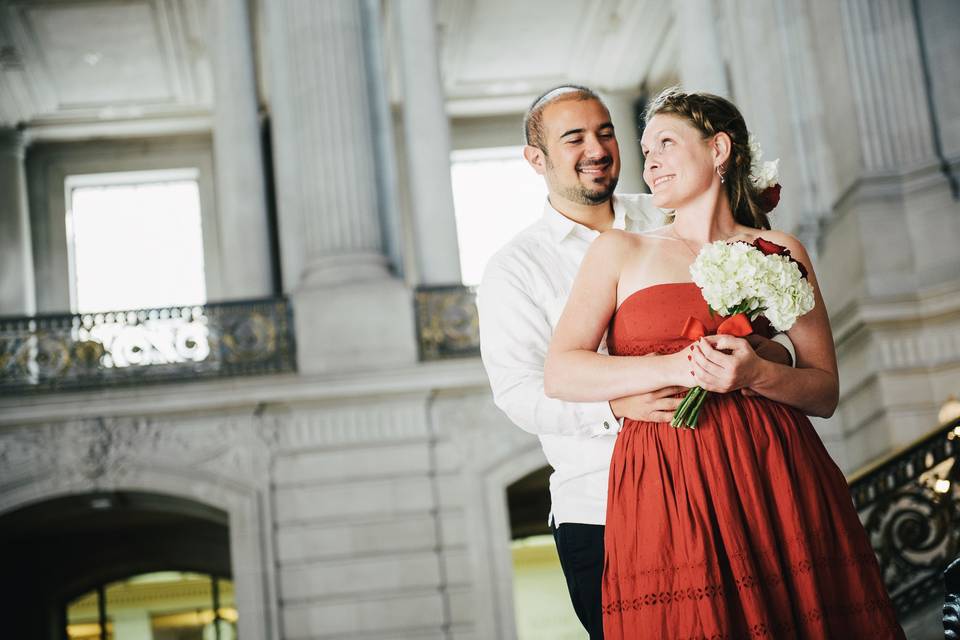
[514,336]
[787,343]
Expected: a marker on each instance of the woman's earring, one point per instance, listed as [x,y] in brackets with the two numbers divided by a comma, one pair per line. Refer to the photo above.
[720,174]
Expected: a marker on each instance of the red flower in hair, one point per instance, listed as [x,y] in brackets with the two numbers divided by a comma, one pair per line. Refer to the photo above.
[769,198]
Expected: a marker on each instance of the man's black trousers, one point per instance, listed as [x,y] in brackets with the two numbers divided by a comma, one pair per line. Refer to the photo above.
[580,547]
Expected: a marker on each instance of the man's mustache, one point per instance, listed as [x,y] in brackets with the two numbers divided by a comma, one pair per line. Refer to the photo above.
[602,162]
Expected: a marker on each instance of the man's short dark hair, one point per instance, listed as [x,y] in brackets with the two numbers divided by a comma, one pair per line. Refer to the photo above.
[533,120]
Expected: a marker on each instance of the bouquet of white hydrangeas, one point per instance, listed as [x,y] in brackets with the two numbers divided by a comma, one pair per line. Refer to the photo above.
[743,281]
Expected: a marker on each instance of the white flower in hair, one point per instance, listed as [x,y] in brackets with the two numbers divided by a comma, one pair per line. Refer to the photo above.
[763,175]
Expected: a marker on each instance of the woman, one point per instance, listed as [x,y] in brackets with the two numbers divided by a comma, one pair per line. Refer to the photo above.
[744,527]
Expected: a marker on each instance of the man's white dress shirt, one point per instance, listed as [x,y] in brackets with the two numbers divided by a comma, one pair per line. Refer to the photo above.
[524,289]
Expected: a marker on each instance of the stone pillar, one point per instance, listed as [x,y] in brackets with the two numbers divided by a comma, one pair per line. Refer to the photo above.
[835,89]
[884,58]
[901,193]
[427,136]
[17,288]
[701,59]
[238,156]
[889,265]
[330,233]
[624,117]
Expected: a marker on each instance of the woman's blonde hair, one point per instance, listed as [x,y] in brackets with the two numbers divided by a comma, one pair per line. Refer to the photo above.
[710,115]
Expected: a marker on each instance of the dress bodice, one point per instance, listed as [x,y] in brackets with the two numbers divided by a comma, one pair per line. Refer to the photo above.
[650,319]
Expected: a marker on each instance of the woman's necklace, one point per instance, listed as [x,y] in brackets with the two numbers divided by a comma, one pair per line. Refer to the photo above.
[685,243]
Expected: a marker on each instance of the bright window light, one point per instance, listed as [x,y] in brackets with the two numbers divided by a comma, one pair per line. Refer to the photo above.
[136,240]
[495,195]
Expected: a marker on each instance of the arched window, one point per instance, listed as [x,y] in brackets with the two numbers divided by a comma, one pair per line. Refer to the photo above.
[165,605]
[541,606]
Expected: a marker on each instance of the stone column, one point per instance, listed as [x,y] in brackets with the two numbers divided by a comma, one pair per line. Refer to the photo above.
[621,106]
[427,143]
[701,59]
[17,288]
[890,270]
[884,58]
[245,252]
[330,233]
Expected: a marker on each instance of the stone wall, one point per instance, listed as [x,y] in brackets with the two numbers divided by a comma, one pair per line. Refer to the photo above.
[373,506]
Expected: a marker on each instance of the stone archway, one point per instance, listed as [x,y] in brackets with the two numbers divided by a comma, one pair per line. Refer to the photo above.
[490,454]
[59,548]
[518,463]
[214,471]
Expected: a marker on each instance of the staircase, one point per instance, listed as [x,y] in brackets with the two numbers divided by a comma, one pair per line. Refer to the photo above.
[908,503]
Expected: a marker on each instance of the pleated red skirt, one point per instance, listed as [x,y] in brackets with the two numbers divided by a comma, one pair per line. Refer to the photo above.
[742,528]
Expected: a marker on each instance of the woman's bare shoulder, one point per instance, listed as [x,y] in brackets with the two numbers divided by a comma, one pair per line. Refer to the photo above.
[616,241]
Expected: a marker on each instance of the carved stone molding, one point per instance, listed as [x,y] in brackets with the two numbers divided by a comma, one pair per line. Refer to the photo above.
[481,434]
[360,423]
[109,451]
[924,347]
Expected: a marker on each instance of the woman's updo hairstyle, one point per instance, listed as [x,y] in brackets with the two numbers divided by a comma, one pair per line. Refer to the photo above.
[710,115]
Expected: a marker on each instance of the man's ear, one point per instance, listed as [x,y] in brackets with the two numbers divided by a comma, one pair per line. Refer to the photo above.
[536,157]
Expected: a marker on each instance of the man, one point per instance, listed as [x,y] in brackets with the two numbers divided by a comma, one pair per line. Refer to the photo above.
[571,143]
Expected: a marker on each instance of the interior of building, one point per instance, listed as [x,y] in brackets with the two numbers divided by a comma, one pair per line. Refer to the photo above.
[240,386]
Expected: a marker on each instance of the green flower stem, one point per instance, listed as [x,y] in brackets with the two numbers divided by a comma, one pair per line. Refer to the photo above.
[681,408]
[679,417]
[689,410]
[693,412]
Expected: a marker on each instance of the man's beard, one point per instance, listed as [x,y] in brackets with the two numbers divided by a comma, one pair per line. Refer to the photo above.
[584,195]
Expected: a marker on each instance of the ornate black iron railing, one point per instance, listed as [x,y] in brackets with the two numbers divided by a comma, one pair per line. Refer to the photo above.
[50,352]
[447,322]
[909,505]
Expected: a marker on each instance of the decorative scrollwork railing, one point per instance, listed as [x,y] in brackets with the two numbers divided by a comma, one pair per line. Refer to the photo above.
[447,322]
[64,351]
[909,504]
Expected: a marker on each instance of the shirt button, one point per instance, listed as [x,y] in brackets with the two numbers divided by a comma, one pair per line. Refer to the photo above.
[606,425]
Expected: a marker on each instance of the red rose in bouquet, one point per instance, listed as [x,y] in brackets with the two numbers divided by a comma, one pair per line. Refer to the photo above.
[772,248]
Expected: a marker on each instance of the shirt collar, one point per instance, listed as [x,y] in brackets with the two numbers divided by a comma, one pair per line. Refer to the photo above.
[561,226]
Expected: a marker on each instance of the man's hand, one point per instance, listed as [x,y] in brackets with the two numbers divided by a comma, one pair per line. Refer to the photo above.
[768,350]
[655,406]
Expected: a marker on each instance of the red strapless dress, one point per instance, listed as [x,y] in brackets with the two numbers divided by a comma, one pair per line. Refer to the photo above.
[743,528]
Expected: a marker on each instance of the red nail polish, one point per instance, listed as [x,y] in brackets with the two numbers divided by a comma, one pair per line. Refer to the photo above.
[689,357]
[691,373]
